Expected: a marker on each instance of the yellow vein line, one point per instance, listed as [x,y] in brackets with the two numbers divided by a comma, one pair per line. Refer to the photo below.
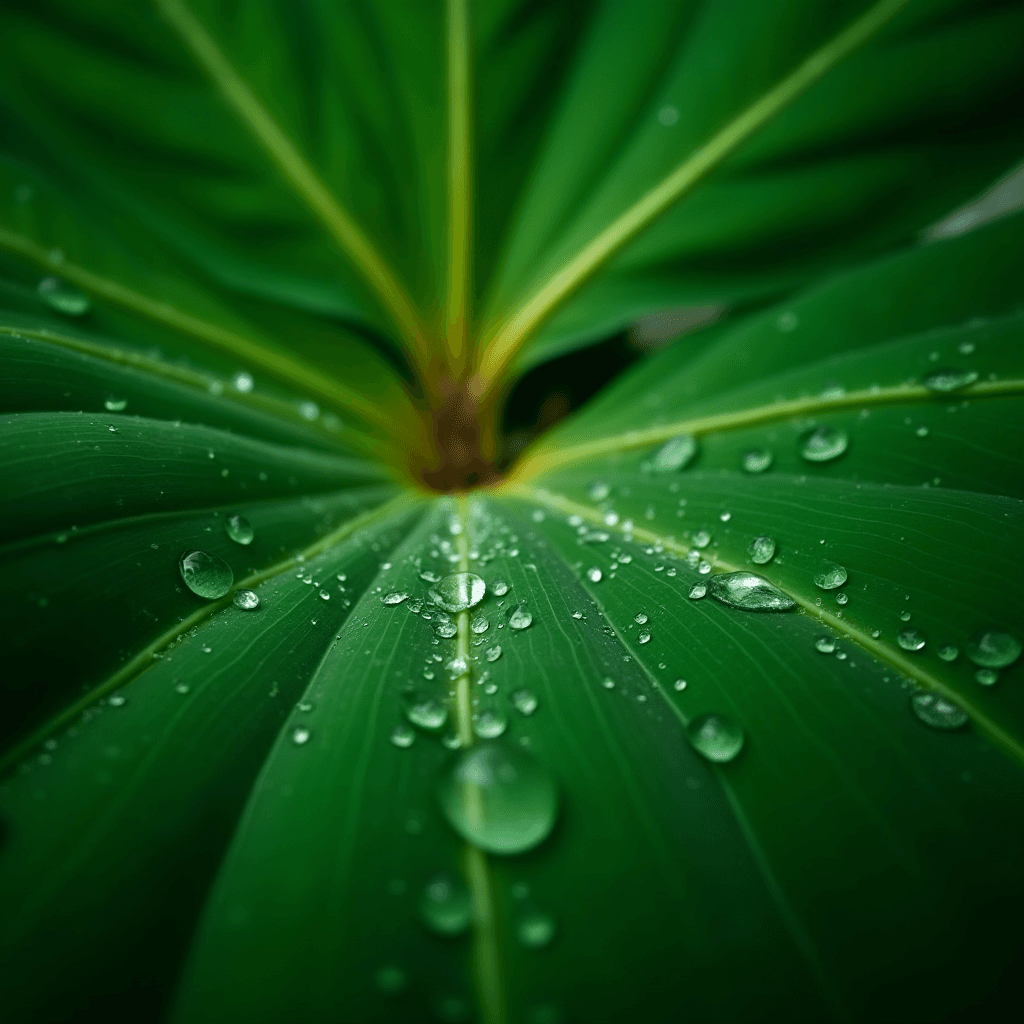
[487,971]
[501,345]
[146,658]
[543,462]
[194,380]
[459,191]
[880,651]
[306,182]
[282,366]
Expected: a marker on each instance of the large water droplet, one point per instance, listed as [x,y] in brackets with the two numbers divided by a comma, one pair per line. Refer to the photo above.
[910,639]
[762,550]
[521,617]
[749,591]
[62,297]
[757,461]
[949,380]
[524,701]
[490,724]
[535,929]
[239,529]
[675,454]
[445,905]
[994,650]
[247,600]
[716,737]
[204,574]
[830,575]
[425,710]
[458,592]
[937,711]
[824,444]
[498,797]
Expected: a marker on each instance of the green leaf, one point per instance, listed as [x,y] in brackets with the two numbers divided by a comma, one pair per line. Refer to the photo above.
[725,722]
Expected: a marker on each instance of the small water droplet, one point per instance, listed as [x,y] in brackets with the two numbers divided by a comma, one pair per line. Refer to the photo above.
[524,701]
[480,624]
[535,929]
[594,574]
[757,461]
[680,684]
[830,575]
[987,676]
[430,577]
[309,411]
[499,798]
[944,381]
[402,735]
[825,644]
[390,980]
[842,598]
[761,550]
[247,600]
[823,444]
[445,905]
[182,688]
[701,539]
[716,737]
[698,590]
[493,653]
[949,652]
[644,638]
[395,597]
[489,725]
[459,591]
[750,592]
[937,711]
[640,618]
[206,575]
[425,711]
[325,595]
[239,529]
[62,297]
[499,587]
[994,650]
[521,617]
[608,684]
[243,382]
[446,630]
[910,639]
[117,700]
[598,491]
[675,454]
[112,404]
[904,616]
[300,735]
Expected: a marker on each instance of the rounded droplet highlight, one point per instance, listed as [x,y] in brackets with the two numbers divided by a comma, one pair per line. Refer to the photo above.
[675,454]
[403,735]
[112,404]
[499,798]
[716,737]
[535,929]
[395,597]
[206,575]
[300,735]
[493,653]
[247,600]
[994,649]
[489,725]
[987,676]
[762,550]
[425,711]
[949,652]
[750,592]
[825,644]
[521,617]
[459,591]
[830,575]
[757,461]
[62,297]
[823,444]
[937,711]
[598,491]
[480,624]
[239,529]
[594,574]
[445,906]
[697,591]
[944,381]
[524,701]
[910,639]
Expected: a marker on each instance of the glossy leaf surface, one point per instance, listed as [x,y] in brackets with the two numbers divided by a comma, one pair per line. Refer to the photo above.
[737,658]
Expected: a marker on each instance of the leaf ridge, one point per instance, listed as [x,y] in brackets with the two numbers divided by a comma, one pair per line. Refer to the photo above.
[502,342]
[869,644]
[540,462]
[307,183]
